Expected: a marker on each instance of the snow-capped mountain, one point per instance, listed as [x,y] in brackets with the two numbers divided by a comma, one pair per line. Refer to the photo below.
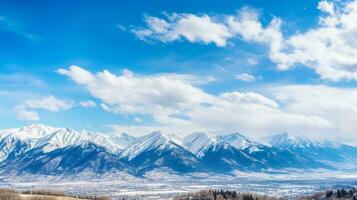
[237,140]
[220,154]
[11,147]
[159,150]
[155,140]
[321,151]
[233,151]
[14,142]
[199,142]
[72,159]
[285,140]
[32,131]
[48,150]
[61,138]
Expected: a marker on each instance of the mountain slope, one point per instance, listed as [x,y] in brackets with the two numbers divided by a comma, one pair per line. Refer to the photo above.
[68,160]
[219,155]
[60,151]
[237,140]
[11,147]
[158,150]
[320,151]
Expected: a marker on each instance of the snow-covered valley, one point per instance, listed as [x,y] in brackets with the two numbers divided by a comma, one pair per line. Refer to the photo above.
[160,185]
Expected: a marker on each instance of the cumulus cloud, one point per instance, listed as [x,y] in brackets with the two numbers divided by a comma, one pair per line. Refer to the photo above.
[336,105]
[27,110]
[248,98]
[130,93]
[194,28]
[179,105]
[329,48]
[87,103]
[49,103]
[26,115]
[245,77]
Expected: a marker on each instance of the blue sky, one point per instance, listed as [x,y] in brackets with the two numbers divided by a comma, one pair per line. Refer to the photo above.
[174,63]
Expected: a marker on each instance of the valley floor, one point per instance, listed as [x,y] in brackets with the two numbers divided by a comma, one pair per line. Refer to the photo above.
[161,185]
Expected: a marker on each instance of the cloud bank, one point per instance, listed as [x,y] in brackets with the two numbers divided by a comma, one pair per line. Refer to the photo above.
[179,105]
[330,48]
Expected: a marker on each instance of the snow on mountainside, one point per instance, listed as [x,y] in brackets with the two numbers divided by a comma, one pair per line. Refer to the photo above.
[14,142]
[161,151]
[222,153]
[68,160]
[12,146]
[149,142]
[61,138]
[33,131]
[286,140]
[50,138]
[45,149]
[199,142]
[237,140]
[327,151]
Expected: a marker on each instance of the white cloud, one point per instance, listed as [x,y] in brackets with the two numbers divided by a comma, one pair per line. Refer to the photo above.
[330,48]
[336,105]
[26,111]
[177,105]
[80,75]
[88,103]
[245,77]
[130,93]
[49,103]
[326,6]
[248,98]
[26,115]
[137,119]
[194,28]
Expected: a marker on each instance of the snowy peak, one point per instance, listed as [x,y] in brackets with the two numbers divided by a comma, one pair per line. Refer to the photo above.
[61,138]
[236,139]
[285,140]
[113,146]
[33,131]
[150,142]
[38,130]
[198,142]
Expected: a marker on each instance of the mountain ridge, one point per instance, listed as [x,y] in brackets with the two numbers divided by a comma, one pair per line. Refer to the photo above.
[44,147]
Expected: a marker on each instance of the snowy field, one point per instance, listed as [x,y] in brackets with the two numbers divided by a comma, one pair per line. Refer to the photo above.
[160,185]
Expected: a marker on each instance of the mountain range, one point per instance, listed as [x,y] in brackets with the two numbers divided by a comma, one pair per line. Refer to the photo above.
[40,149]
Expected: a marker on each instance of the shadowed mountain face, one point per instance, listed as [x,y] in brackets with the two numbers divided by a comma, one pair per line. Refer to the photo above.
[224,158]
[86,157]
[56,151]
[159,150]
[322,151]
[177,159]
[11,147]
